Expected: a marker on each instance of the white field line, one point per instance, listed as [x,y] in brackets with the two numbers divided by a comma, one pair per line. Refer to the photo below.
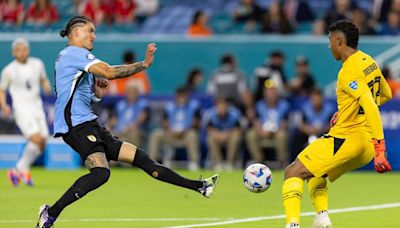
[333,211]
[119,220]
[225,222]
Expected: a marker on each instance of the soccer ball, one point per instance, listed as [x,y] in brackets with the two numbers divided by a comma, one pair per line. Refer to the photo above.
[257,178]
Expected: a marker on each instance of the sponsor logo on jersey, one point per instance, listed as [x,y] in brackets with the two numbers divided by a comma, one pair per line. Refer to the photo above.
[92,138]
[90,56]
[371,68]
[353,85]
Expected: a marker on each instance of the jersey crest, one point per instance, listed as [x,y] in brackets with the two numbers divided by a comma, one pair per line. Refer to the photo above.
[353,85]
[90,56]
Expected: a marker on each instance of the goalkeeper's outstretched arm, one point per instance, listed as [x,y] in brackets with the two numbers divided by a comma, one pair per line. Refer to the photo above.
[371,112]
[373,117]
[385,92]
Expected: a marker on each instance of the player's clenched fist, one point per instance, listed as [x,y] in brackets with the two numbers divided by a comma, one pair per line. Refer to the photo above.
[101,82]
[100,87]
[149,57]
[380,161]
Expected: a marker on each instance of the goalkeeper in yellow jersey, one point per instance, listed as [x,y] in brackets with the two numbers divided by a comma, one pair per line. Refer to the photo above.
[356,134]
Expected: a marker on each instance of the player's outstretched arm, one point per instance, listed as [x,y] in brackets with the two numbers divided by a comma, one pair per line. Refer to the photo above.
[113,72]
[374,120]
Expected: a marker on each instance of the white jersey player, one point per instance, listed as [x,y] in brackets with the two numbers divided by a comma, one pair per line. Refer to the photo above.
[23,77]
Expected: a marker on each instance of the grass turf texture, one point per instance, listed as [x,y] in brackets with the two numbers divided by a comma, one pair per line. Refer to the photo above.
[131,194]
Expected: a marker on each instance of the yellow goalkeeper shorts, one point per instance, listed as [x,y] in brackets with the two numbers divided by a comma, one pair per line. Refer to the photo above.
[334,157]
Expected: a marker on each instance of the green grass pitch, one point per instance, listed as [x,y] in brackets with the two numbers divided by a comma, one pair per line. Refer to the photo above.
[132,199]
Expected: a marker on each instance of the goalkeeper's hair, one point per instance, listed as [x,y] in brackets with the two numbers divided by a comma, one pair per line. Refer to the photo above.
[349,30]
[74,21]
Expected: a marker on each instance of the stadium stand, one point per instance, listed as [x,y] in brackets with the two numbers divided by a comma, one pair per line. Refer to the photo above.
[174,16]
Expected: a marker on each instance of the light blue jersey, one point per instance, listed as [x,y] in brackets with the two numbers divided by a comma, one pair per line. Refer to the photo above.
[272,115]
[128,113]
[180,117]
[74,88]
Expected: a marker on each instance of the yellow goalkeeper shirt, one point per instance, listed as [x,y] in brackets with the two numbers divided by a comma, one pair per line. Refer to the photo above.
[359,74]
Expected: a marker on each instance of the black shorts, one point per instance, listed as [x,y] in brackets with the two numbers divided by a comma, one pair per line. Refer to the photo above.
[88,138]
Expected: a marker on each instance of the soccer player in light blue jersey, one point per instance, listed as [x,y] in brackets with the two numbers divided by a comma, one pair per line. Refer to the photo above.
[81,79]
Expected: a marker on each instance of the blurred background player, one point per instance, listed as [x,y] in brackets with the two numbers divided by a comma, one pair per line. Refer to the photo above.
[356,135]
[23,77]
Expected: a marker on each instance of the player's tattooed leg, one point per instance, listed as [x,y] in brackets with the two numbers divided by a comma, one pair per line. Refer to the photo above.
[97,159]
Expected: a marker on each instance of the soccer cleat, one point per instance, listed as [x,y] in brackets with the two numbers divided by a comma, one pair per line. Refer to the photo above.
[27,178]
[13,177]
[322,220]
[292,225]
[209,185]
[45,220]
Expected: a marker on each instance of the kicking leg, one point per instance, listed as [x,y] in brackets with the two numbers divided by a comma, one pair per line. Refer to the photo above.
[132,154]
[99,174]
[292,191]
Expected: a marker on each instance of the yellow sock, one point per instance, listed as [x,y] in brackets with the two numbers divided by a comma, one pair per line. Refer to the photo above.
[292,192]
[318,189]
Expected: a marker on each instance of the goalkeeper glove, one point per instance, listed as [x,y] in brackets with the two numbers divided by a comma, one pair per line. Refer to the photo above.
[380,161]
[334,119]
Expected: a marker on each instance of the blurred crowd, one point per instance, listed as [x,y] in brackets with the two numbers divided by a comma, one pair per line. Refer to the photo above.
[375,17]
[372,17]
[268,117]
[45,12]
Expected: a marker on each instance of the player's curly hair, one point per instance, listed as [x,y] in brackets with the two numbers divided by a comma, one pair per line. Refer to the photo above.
[349,30]
[72,22]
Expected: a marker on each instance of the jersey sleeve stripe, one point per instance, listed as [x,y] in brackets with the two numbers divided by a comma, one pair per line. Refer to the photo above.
[91,63]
